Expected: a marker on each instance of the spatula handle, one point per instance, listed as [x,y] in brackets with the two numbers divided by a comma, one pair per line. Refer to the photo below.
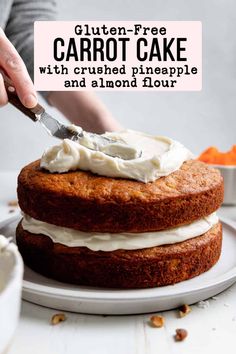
[15,101]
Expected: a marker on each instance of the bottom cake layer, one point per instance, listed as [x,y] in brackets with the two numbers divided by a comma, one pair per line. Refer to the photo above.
[144,268]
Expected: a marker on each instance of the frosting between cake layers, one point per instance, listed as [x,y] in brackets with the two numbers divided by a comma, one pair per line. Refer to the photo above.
[111,241]
[160,157]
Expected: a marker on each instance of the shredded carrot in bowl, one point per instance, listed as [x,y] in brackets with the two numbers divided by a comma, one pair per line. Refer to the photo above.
[213,156]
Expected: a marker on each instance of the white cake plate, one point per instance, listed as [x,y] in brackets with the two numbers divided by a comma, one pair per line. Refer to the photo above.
[50,293]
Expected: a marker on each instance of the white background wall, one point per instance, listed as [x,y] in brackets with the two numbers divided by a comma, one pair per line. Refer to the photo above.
[198,119]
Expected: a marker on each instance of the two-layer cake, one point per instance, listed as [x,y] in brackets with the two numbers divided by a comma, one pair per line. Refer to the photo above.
[91,219]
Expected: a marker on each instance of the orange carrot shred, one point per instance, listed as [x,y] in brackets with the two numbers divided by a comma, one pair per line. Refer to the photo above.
[213,156]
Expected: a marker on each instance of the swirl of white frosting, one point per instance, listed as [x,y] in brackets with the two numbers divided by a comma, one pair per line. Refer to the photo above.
[110,242]
[160,157]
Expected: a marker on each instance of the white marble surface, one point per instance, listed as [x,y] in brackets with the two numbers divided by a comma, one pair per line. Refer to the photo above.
[211,329]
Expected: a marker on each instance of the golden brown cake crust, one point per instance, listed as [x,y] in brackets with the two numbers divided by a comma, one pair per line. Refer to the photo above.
[87,202]
[150,267]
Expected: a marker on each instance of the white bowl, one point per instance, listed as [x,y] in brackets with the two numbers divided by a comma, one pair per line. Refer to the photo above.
[11,273]
[229,175]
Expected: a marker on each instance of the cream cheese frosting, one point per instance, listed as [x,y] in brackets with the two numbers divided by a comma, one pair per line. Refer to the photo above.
[112,147]
[110,242]
[160,157]
[4,242]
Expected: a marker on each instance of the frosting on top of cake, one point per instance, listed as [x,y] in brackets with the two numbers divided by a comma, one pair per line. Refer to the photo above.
[111,241]
[160,157]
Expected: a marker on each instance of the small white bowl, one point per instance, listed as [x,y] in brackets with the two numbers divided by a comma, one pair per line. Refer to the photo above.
[11,273]
[229,175]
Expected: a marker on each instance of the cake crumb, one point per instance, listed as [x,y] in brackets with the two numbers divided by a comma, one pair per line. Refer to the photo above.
[203,304]
[184,310]
[11,211]
[13,203]
[214,297]
[180,334]
[157,321]
[57,318]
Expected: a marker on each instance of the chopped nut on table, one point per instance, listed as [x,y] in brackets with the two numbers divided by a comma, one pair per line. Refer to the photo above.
[13,203]
[203,304]
[184,310]
[57,318]
[180,335]
[157,321]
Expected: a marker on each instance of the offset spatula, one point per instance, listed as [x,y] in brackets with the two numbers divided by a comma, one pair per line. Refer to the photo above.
[54,128]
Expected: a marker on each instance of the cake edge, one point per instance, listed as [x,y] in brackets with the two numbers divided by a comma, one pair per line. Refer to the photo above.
[146,268]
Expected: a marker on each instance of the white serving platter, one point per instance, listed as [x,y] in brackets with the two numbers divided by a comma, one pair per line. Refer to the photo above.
[50,293]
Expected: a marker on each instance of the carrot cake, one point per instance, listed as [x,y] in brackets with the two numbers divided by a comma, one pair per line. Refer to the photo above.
[92,219]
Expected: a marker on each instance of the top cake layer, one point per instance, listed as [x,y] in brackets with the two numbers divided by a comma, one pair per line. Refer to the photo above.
[84,201]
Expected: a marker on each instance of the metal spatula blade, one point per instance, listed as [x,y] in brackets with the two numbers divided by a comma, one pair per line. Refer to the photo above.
[54,128]
[90,140]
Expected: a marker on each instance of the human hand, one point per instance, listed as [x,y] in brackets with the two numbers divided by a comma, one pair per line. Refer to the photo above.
[84,108]
[13,65]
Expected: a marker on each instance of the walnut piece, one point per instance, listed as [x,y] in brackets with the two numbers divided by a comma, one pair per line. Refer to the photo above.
[184,310]
[180,335]
[157,321]
[13,203]
[57,318]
